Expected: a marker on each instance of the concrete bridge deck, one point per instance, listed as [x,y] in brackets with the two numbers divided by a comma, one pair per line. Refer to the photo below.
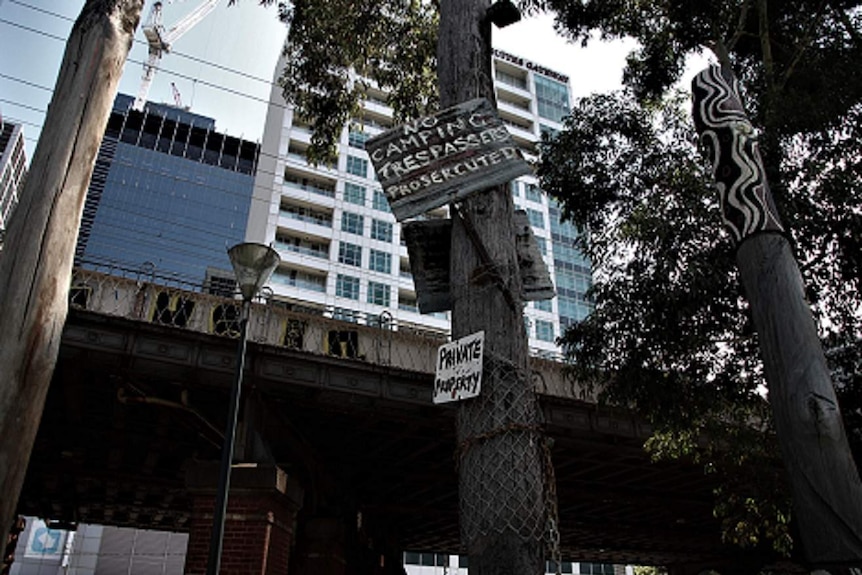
[139,400]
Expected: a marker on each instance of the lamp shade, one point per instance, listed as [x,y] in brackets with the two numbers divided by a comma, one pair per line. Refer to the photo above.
[252,265]
[503,12]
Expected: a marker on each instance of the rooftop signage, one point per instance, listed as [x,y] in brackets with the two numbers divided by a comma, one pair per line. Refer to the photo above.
[439,159]
[518,61]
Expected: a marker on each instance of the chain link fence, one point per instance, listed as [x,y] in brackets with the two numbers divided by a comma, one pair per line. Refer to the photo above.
[504,460]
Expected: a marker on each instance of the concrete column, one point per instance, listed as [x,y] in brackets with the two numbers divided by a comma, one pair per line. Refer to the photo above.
[259,524]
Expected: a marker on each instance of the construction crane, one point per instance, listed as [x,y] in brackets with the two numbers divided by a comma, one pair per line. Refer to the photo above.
[160,41]
[178,100]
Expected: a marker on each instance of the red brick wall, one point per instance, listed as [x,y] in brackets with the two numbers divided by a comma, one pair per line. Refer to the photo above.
[258,531]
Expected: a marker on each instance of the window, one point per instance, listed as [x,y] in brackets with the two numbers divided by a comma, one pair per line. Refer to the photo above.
[552,98]
[354,194]
[378,293]
[357,166]
[596,568]
[350,254]
[511,79]
[300,280]
[533,193]
[343,314]
[380,201]
[426,559]
[542,305]
[357,139]
[544,330]
[513,185]
[543,245]
[352,223]
[380,261]
[381,230]
[347,286]
[537,218]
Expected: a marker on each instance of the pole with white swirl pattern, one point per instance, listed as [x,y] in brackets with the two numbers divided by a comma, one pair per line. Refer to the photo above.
[825,485]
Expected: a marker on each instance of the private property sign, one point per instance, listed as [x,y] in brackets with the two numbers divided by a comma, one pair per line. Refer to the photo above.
[443,158]
[459,369]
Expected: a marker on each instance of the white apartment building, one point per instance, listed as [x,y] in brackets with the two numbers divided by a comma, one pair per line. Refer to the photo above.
[341,247]
[13,169]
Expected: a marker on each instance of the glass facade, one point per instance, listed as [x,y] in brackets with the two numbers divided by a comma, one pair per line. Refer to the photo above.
[354,194]
[352,223]
[552,99]
[572,271]
[381,230]
[166,194]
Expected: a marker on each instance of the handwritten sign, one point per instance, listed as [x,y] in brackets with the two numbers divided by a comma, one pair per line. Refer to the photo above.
[459,369]
[444,158]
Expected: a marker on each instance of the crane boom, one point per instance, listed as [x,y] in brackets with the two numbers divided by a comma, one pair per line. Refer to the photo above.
[161,41]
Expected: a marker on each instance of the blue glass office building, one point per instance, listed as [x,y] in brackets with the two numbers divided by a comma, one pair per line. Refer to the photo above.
[169,195]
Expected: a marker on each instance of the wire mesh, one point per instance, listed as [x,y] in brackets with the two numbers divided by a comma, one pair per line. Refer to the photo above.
[506,477]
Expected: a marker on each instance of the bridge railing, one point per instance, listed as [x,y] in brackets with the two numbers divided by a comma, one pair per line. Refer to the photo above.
[384,343]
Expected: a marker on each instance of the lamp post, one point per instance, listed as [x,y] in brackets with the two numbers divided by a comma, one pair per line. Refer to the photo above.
[252,265]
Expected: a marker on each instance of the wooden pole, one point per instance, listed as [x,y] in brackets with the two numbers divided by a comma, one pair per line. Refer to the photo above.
[36,261]
[501,465]
[825,485]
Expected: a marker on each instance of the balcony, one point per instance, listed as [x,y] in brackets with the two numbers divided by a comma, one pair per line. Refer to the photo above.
[314,189]
[313,250]
[307,216]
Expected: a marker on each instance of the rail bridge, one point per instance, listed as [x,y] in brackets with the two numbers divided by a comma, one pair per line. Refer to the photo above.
[343,458]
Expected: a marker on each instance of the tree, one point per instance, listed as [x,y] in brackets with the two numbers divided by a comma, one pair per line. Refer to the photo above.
[36,264]
[670,334]
[673,325]
[338,47]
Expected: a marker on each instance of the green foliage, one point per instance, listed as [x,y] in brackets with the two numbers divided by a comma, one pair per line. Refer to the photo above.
[670,335]
[642,570]
[338,48]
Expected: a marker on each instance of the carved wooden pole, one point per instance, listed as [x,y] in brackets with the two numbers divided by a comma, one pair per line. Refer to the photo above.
[501,469]
[827,493]
[36,262]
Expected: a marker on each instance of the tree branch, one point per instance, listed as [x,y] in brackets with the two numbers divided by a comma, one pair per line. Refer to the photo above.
[740,26]
[802,46]
[766,47]
[848,25]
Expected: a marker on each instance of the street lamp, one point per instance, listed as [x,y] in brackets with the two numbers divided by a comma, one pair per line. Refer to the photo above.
[252,265]
[503,12]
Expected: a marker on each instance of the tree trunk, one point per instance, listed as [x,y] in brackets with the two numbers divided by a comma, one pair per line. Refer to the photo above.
[825,485]
[827,493]
[501,464]
[36,262]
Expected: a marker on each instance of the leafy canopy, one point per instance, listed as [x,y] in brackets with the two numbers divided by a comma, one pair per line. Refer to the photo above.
[338,49]
[670,334]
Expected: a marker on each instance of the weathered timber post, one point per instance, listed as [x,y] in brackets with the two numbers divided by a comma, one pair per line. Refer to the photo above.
[36,262]
[827,493]
[501,462]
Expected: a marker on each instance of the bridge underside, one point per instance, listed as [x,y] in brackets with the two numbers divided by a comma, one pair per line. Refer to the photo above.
[133,407]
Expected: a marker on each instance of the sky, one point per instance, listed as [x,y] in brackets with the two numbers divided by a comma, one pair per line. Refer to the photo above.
[234,48]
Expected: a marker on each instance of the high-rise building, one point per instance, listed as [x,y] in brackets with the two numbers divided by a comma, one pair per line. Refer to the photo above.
[341,248]
[13,170]
[168,196]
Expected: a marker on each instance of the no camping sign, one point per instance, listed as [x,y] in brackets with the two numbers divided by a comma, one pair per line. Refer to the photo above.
[459,369]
